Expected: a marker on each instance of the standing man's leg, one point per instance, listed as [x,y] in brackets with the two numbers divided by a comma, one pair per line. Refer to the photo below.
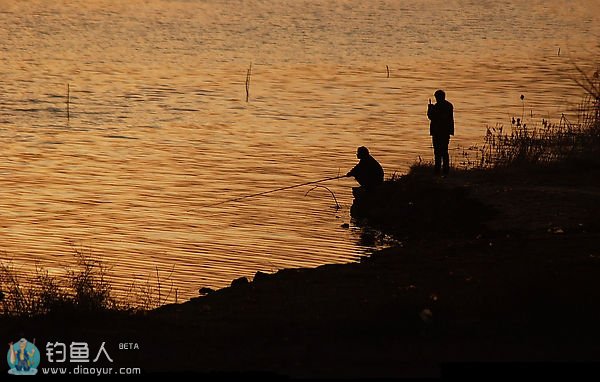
[437,153]
[446,156]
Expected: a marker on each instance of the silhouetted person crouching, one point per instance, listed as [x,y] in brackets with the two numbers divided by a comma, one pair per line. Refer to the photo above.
[368,172]
[441,128]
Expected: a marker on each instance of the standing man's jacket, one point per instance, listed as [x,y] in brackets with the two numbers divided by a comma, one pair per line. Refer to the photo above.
[442,118]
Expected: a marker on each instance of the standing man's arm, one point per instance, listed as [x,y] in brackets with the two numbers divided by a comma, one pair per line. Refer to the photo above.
[451,121]
[431,110]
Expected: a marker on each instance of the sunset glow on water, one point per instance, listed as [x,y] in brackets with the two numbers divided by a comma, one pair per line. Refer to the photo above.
[159,127]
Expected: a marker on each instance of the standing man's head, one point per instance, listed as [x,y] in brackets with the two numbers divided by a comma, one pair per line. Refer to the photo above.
[439,95]
[362,152]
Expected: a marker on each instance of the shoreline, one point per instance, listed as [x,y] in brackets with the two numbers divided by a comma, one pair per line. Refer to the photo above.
[514,278]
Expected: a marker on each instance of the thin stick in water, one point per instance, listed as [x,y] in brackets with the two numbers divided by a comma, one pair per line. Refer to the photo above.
[68,101]
[388,71]
[248,74]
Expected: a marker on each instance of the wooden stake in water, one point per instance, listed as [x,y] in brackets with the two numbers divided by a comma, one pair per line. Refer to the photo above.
[248,74]
[388,71]
[68,102]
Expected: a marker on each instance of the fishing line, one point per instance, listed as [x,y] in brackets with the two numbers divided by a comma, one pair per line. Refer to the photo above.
[275,190]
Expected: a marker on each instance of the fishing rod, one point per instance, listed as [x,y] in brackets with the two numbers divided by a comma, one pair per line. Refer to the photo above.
[275,190]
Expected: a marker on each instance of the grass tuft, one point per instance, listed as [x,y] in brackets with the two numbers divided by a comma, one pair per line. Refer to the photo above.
[531,143]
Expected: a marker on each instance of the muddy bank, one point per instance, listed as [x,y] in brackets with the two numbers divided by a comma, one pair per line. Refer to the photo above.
[489,266]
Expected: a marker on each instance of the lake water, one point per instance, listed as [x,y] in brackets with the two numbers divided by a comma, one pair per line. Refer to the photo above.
[159,126]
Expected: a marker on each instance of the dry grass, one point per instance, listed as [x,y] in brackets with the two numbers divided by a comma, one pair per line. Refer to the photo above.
[85,287]
[528,142]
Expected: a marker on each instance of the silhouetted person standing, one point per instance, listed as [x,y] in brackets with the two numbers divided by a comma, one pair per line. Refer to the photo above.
[441,128]
[368,172]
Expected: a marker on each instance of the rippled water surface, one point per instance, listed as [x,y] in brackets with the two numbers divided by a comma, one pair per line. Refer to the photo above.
[159,126]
